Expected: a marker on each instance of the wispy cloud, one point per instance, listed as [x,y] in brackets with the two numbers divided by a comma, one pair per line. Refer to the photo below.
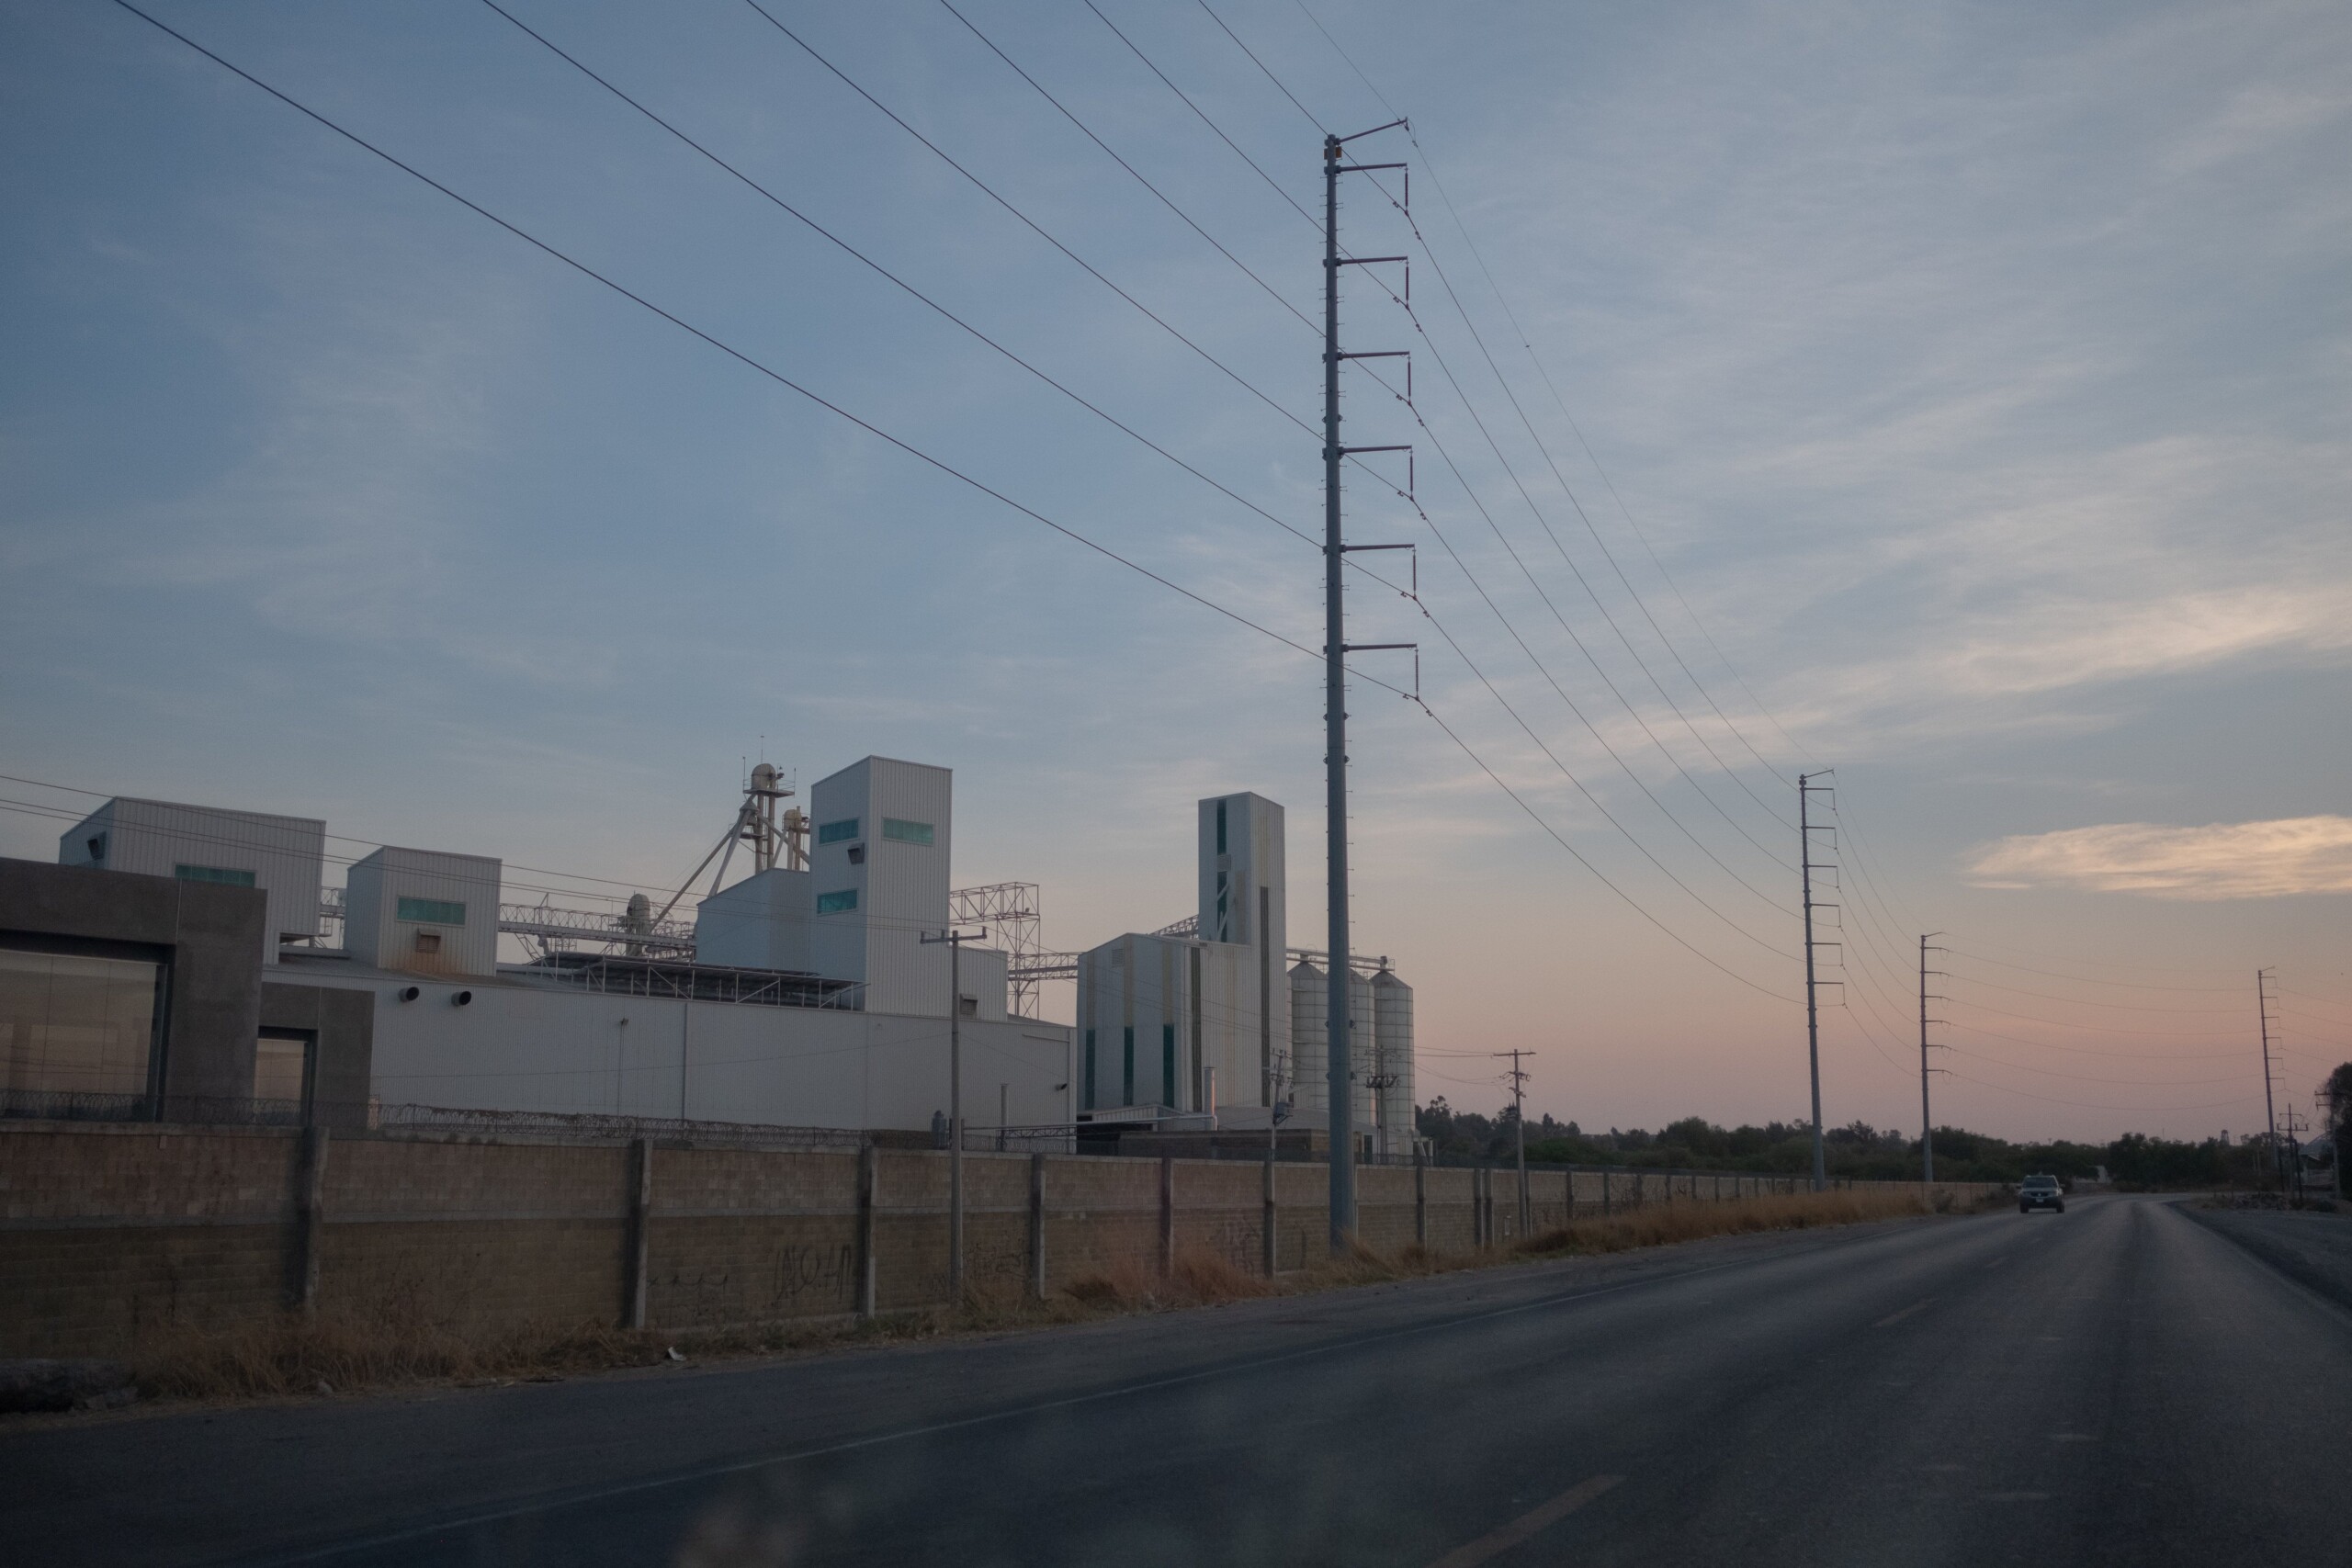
[2220,860]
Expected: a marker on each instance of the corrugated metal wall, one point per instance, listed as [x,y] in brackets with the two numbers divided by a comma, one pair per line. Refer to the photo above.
[154,838]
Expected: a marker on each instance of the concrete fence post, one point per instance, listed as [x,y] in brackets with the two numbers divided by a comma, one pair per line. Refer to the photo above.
[637,1235]
[1273,1236]
[1421,1199]
[1037,1227]
[309,1219]
[1167,1215]
[870,1181]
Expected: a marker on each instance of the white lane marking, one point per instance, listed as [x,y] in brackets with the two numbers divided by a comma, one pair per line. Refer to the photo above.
[1527,1524]
[1891,1319]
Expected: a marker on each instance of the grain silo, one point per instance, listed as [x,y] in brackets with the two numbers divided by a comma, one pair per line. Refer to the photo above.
[1309,1041]
[1392,1028]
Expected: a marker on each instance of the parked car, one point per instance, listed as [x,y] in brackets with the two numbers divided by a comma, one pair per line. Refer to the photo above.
[2040,1192]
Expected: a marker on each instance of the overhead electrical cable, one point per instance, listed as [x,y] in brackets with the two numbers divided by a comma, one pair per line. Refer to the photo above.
[1660,686]
[731,352]
[1271,292]
[1468,407]
[585,270]
[1461,564]
[903,285]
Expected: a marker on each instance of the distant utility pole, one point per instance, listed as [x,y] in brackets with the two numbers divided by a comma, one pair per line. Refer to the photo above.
[1807,790]
[1519,1123]
[1927,1122]
[2269,1105]
[1336,647]
[955,941]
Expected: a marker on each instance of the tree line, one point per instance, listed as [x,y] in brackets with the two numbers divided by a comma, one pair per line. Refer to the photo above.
[1861,1151]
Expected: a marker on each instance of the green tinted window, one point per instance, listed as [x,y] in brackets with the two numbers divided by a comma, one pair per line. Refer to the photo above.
[837,903]
[432,911]
[906,832]
[834,833]
[224,875]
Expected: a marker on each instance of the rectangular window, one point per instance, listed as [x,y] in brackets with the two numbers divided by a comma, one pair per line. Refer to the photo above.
[430,911]
[75,1025]
[1130,1097]
[836,832]
[839,903]
[428,942]
[282,1060]
[1168,1064]
[226,876]
[1090,1069]
[1220,827]
[906,832]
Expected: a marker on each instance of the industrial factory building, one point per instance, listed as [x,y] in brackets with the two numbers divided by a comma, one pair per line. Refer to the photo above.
[1214,1022]
[802,995]
[186,961]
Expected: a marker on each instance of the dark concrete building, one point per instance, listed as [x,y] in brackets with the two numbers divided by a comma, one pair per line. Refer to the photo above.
[130,997]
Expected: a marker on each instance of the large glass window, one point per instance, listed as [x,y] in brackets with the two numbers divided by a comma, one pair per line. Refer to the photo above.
[74,1024]
[432,911]
[227,876]
[839,903]
[906,832]
[836,832]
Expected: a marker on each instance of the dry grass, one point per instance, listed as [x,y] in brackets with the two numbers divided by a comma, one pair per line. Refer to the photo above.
[1660,1224]
[292,1356]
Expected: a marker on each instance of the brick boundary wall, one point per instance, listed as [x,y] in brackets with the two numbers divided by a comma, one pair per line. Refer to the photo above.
[112,1232]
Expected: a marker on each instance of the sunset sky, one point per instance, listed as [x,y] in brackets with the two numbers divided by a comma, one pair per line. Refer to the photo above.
[1958,397]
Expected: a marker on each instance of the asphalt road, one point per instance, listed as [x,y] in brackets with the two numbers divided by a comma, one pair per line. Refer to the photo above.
[2119,1385]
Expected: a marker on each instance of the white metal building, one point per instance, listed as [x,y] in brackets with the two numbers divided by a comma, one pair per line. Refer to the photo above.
[809,999]
[1206,1019]
[283,856]
[423,911]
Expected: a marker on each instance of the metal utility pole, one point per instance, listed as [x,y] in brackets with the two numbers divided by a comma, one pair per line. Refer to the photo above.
[1807,790]
[1336,647]
[955,941]
[2269,1105]
[1519,1121]
[1927,1120]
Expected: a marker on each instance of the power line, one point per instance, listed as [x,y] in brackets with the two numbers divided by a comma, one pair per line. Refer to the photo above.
[728,349]
[1270,291]
[893,278]
[1490,603]
[905,446]
[1026,219]
[1504,383]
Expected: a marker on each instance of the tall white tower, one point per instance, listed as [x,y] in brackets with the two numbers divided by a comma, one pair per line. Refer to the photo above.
[878,875]
[1241,889]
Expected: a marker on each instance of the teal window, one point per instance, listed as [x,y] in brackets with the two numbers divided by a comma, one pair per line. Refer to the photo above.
[430,911]
[839,903]
[835,832]
[1090,1069]
[223,874]
[906,832]
[1129,1098]
[1220,827]
[1168,1064]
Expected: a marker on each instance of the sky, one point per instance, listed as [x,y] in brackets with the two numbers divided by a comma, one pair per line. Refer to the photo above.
[1951,396]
